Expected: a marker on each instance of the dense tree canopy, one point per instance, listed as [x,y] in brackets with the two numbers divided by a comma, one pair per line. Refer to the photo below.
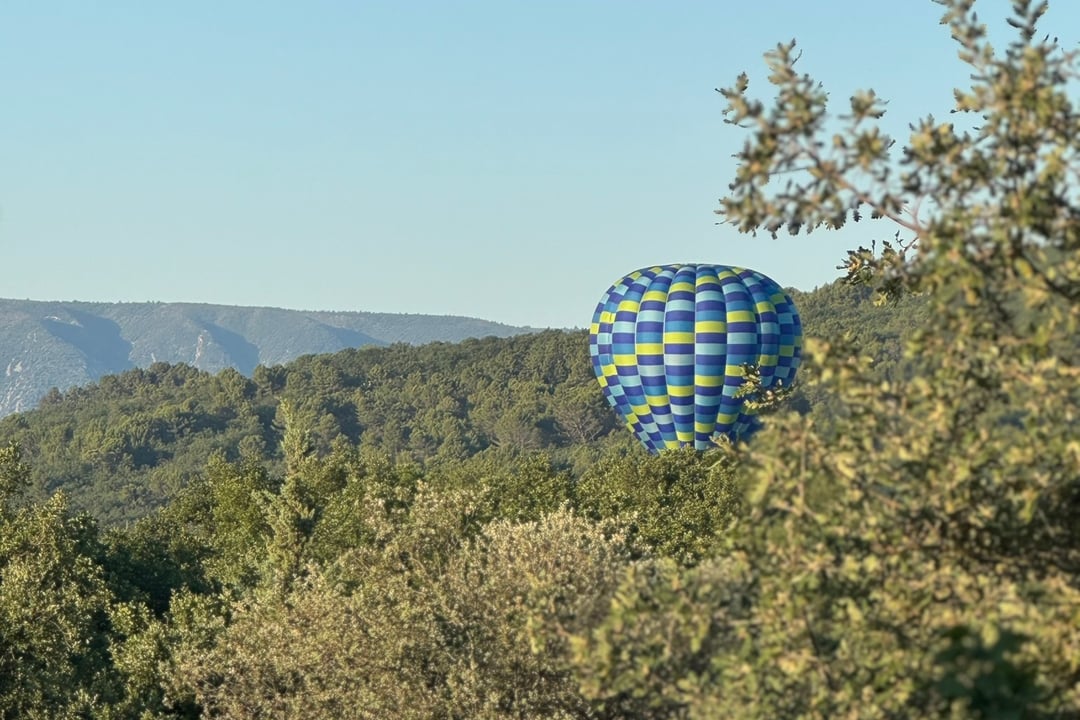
[125,446]
[459,531]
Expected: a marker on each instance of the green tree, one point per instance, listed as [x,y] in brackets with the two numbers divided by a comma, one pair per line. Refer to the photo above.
[653,656]
[432,624]
[581,413]
[54,607]
[507,606]
[14,478]
[679,504]
[943,507]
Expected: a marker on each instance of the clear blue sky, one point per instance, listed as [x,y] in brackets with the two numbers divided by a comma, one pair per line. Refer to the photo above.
[505,159]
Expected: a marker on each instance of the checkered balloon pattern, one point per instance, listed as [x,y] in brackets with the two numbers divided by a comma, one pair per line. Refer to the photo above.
[668,344]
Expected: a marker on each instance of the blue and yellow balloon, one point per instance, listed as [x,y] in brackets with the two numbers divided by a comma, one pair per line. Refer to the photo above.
[668,344]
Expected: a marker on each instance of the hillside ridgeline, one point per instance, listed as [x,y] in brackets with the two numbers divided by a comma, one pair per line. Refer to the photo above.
[66,344]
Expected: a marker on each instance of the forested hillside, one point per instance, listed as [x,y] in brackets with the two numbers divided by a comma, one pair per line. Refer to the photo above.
[458,531]
[392,532]
[125,445]
[67,344]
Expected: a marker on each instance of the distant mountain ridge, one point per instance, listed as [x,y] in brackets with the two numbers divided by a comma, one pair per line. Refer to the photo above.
[45,344]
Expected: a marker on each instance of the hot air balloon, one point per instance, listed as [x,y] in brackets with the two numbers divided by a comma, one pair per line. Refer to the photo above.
[668,345]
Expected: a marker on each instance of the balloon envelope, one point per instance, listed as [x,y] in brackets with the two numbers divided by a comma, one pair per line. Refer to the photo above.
[668,344]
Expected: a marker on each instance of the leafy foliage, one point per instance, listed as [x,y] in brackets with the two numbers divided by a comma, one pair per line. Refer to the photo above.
[125,446]
[925,534]
[454,532]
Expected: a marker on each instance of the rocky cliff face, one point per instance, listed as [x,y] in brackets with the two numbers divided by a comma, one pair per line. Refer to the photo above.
[63,344]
